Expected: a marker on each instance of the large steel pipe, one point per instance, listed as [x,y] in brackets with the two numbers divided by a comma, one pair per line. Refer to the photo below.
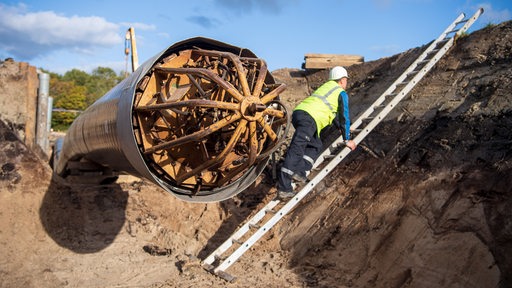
[199,119]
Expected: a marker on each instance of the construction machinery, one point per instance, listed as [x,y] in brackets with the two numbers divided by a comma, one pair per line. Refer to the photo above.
[130,48]
[199,119]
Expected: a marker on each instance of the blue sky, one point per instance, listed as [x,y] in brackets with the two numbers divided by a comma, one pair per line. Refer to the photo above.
[62,35]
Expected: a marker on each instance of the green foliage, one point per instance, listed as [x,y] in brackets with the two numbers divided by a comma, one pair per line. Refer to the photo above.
[79,77]
[76,90]
[463,34]
[100,82]
[490,25]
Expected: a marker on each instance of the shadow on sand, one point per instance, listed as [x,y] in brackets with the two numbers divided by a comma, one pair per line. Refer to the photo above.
[83,218]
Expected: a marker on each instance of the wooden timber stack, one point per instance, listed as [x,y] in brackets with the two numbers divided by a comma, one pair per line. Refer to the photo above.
[325,61]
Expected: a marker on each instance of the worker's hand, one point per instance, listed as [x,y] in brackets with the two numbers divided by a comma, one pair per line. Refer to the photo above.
[351,144]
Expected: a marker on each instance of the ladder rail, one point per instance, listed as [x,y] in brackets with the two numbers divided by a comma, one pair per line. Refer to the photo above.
[240,232]
[283,211]
[382,114]
[412,83]
[411,67]
[442,37]
[470,21]
[288,206]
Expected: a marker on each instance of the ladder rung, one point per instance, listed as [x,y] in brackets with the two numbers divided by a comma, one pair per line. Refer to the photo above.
[208,267]
[369,118]
[237,241]
[336,145]
[412,73]
[403,83]
[423,62]
[392,94]
[441,43]
[271,211]
[379,106]
[453,31]
[462,21]
[254,226]
[329,156]
[433,51]
[226,276]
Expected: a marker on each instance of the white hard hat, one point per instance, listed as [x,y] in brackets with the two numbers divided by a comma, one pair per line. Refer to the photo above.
[337,72]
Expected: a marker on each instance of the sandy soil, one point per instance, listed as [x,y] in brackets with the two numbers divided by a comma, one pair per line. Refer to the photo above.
[427,203]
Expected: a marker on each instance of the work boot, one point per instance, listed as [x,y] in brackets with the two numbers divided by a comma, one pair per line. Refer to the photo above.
[299,178]
[285,195]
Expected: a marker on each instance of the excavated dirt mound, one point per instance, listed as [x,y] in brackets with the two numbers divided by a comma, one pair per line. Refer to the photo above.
[430,205]
[425,201]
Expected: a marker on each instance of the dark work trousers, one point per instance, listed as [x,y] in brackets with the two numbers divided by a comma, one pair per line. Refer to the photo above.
[303,151]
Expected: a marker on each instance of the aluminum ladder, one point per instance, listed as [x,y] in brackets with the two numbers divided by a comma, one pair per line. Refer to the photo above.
[372,116]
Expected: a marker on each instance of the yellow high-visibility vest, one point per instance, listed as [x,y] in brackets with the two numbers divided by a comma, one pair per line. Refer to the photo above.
[322,105]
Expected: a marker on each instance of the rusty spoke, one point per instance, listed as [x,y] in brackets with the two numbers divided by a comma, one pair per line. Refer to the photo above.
[253,147]
[213,161]
[191,103]
[274,113]
[238,66]
[233,173]
[274,94]
[253,154]
[196,136]
[266,127]
[199,88]
[261,79]
[209,74]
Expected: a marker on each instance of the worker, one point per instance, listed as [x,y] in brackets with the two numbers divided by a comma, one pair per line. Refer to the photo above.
[327,105]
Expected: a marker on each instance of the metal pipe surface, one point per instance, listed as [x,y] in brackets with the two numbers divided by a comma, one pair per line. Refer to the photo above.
[200,119]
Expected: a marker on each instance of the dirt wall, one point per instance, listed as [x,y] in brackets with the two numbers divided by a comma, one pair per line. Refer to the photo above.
[430,206]
[19,84]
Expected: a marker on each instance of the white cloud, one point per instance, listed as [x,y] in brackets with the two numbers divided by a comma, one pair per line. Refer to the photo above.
[31,34]
[494,16]
[204,21]
[390,49]
[164,35]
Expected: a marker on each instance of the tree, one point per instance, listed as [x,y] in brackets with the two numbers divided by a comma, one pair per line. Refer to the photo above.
[78,76]
[76,90]
[100,82]
[73,99]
